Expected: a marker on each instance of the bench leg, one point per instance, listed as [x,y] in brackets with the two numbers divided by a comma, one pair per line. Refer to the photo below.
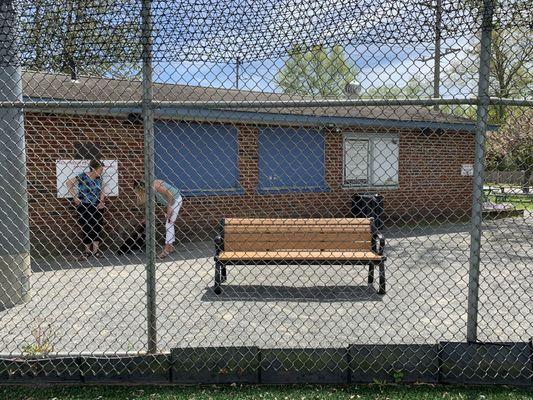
[218,277]
[382,288]
[224,274]
[370,273]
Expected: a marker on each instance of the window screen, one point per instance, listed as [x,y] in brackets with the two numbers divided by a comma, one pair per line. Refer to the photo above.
[291,160]
[200,159]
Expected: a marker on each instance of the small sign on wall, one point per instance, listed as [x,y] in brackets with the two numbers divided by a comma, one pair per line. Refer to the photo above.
[467,170]
[67,169]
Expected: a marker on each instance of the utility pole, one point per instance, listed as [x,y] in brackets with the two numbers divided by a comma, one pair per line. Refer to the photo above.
[237,72]
[438,54]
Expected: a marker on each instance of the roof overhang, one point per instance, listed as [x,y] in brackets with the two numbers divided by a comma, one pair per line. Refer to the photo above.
[264,118]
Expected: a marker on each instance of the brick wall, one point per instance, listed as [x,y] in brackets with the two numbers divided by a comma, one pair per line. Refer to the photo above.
[430,184]
[53,223]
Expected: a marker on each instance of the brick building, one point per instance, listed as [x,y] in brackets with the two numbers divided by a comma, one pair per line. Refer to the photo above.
[265,162]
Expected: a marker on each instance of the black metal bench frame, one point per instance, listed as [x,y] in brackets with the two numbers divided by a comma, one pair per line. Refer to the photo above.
[378,247]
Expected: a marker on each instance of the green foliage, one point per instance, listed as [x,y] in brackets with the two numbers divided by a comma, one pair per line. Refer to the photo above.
[416,87]
[511,146]
[518,202]
[318,72]
[43,341]
[248,392]
[88,37]
[398,376]
[511,73]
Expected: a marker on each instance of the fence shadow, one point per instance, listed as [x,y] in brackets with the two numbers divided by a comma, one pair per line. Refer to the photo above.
[287,293]
[407,231]
[512,231]
[184,252]
[71,262]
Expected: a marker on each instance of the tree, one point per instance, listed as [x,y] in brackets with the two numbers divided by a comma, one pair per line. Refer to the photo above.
[93,37]
[317,71]
[510,69]
[417,87]
[511,147]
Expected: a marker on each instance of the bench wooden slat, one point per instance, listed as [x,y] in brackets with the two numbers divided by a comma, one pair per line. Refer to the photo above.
[292,255]
[295,228]
[259,245]
[298,236]
[300,240]
[296,221]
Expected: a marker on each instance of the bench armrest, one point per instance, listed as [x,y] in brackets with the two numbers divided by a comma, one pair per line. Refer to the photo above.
[381,244]
[219,244]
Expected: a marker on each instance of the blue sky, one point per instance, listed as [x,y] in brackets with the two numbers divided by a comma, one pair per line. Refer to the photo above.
[376,65]
[215,29]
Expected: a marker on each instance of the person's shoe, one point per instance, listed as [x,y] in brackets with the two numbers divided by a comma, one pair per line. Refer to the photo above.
[164,254]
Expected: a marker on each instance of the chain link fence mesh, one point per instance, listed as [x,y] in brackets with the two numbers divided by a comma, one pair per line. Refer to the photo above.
[136,132]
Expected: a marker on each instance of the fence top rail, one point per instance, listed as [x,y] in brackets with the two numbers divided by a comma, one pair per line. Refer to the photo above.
[264,104]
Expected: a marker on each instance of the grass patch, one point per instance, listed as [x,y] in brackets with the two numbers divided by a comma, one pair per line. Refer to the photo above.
[353,392]
[520,202]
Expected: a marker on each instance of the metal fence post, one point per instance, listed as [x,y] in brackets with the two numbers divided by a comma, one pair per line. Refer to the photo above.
[148,124]
[15,267]
[437,61]
[481,128]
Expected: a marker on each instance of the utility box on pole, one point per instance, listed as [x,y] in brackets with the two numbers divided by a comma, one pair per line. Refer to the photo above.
[15,269]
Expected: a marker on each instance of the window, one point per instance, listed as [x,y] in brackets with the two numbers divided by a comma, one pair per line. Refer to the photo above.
[291,160]
[371,161]
[356,161]
[200,159]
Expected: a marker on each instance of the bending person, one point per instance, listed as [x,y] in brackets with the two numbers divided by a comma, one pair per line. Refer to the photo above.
[168,196]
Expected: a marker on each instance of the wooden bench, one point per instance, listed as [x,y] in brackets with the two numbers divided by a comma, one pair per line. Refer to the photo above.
[261,241]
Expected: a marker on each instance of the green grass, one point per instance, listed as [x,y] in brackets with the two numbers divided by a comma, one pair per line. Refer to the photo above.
[520,202]
[362,392]
[499,185]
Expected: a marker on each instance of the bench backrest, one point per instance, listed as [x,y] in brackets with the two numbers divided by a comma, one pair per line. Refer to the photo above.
[265,234]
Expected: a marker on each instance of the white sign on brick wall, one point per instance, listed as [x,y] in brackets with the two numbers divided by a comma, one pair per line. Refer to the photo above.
[67,169]
[467,170]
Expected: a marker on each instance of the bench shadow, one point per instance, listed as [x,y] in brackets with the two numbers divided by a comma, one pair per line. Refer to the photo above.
[286,293]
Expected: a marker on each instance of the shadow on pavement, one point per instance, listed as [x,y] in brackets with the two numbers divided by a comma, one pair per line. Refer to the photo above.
[276,293]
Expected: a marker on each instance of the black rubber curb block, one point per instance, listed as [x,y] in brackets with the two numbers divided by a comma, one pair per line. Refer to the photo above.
[486,363]
[447,362]
[394,363]
[143,368]
[304,365]
[46,370]
[208,365]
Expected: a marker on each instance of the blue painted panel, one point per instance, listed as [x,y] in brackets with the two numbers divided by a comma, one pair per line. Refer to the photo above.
[200,159]
[291,160]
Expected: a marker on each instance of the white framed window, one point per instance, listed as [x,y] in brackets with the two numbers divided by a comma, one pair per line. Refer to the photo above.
[371,160]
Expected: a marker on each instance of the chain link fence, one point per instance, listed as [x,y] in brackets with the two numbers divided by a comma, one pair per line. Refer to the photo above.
[266,191]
